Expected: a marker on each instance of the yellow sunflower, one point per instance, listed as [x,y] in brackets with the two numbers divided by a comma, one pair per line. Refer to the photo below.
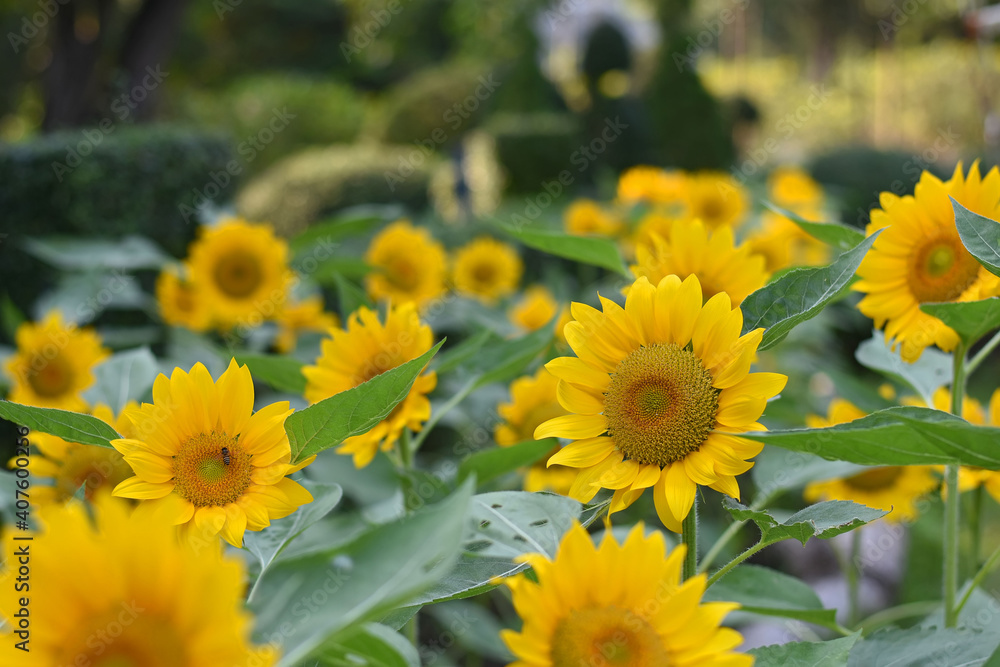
[894,489]
[919,258]
[618,604]
[71,465]
[652,224]
[784,244]
[306,315]
[720,264]
[651,185]
[240,270]
[407,265]
[587,217]
[535,309]
[794,189]
[125,592]
[532,402]
[363,349]
[716,198]
[657,393]
[204,460]
[53,364]
[180,303]
[487,269]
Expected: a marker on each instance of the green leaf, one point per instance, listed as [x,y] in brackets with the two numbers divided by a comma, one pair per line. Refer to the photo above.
[980,235]
[919,647]
[281,373]
[832,233]
[823,520]
[585,249]
[355,221]
[70,426]
[332,270]
[79,254]
[328,592]
[463,352]
[767,592]
[776,469]
[125,376]
[506,359]
[10,317]
[496,461]
[371,645]
[799,295]
[350,296]
[896,436]
[474,628]
[971,320]
[833,653]
[931,371]
[352,412]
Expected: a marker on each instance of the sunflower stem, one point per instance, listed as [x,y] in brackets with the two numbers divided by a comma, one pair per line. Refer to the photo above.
[724,570]
[952,501]
[405,471]
[891,615]
[987,567]
[436,416]
[853,575]
[689,536]
[975,524]
[984,352]
[730,532]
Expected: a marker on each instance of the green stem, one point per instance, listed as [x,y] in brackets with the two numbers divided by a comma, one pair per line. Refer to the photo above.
[412,630]
[689,536]
[852,574]
[459,396]
[405,469]
[730,532]
[991,562]
[952,501]
[889,616]
[984,352]
[724,570]
[975,524]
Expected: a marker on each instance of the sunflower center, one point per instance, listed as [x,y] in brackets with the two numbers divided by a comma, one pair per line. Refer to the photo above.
[607,637]
[874,480]
[128,636]
[92,467]
[710,210]
[484,273]
[942,269]
[238,274]
[661,404]
[403,274]
[50,377]
[201,474]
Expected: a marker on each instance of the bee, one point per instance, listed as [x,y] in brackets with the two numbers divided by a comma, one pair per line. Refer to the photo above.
[225,455]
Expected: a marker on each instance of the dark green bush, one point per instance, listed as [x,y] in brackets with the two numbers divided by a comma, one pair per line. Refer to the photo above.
[533,148]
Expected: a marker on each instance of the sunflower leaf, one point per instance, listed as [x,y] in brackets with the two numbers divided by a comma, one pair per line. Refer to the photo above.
[971,320]
[584,249]
[123,377]
[70,426]
[380,645]
[491,463]
[799,295]
[357,410]
[917,647]
[833,653]
[281,373]
[896,436]
[823,520]
[980,235]
[82,254]
[508,358]
[931,371]
[832,233]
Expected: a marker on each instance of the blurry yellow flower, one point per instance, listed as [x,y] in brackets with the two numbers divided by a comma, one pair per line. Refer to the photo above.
[652,224]
[306,315]
[919,258]
[180,303]
[126,592]
[407,265]
[364,349]
[784,244]
[651,185]
[184,477]
[535,309]
[53,364]
[794,189]
[532,402]
[617,605]
[586,217]
[487,269]
[716,198]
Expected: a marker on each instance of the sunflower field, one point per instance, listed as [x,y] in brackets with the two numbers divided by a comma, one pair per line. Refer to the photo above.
[413,334]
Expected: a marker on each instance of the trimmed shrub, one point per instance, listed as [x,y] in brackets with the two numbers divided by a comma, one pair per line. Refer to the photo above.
[533,148]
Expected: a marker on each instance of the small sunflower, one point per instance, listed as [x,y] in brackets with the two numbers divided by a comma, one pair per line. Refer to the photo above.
[487,269]
[532,402]
[366,348]
[407,265]
[183,476]
[71,465]
[126,592]
[919,258]
[306,315]
[716,198]
[720,264]
[794,189]
[180,303]
[239,269]
[652,185]
[784,244]
[652,224]
[657,393]
[535,309]
[53,364]
[618,604]
[894,489]
[586,217]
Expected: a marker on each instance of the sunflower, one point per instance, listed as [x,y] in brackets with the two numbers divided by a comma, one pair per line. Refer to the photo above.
[535,309]
[487,269]
[656,393]
[715,198]
[618,604]
[919,258]
[204,460]
[784,244]
[532,402]
[71,465]
[794,189]
[407,265]
[691,249]
[652,185]
[652,224]
[366,348]
[586,217]
[241,271]
[306,315]
[126,592]
[180,303]
[53,364]
[894,489]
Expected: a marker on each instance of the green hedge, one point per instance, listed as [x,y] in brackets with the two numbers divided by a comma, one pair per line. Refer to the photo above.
[533,148]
